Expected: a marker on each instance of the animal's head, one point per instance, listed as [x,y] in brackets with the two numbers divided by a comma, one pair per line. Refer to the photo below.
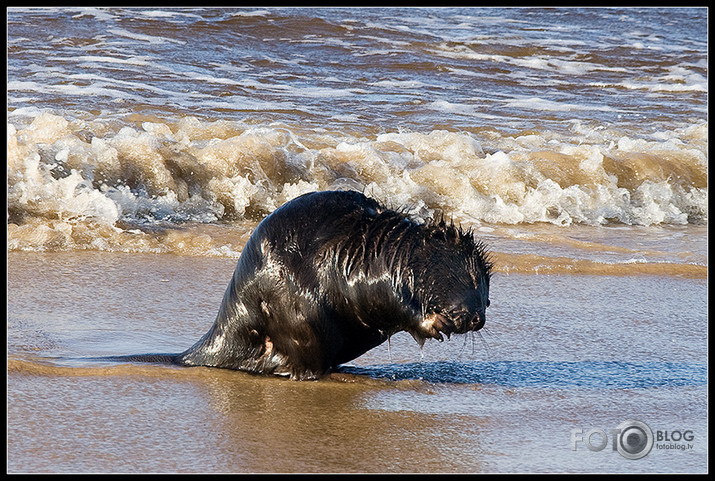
[452,272]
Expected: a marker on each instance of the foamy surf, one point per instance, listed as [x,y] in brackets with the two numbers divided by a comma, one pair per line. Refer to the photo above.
[198,188]
[96,174]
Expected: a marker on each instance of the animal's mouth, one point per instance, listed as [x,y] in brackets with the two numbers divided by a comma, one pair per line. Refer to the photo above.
[437,325]
[441,325]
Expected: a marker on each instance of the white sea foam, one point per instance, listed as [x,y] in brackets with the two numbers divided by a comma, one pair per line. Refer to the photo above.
[141,61]
[536,103]
[250,13]
[73,89]
[191,170]
[399,84]
[167,14]
[101,14]
[453,107]
[152,39]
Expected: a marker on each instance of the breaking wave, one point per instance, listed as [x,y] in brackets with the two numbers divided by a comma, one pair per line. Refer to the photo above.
[99,183]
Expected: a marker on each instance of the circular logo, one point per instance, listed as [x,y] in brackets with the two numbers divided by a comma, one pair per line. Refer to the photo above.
[635,439]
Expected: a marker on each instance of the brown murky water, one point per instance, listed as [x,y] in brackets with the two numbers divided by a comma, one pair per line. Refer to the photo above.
[551,366]
[135,419]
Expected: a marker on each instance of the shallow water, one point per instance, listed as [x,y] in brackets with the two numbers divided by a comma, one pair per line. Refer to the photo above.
[562,352]
[145,145]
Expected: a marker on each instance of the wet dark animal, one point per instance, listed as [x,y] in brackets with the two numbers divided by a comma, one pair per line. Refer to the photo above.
[330,275]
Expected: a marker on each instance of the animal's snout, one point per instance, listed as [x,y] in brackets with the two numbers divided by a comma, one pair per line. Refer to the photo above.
[477,322]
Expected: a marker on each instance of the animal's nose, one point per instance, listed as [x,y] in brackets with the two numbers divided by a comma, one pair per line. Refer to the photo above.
[477,322]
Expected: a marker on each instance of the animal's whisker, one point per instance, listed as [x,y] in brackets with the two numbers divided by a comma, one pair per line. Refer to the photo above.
[461,349]
[489,332]
[484,343]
